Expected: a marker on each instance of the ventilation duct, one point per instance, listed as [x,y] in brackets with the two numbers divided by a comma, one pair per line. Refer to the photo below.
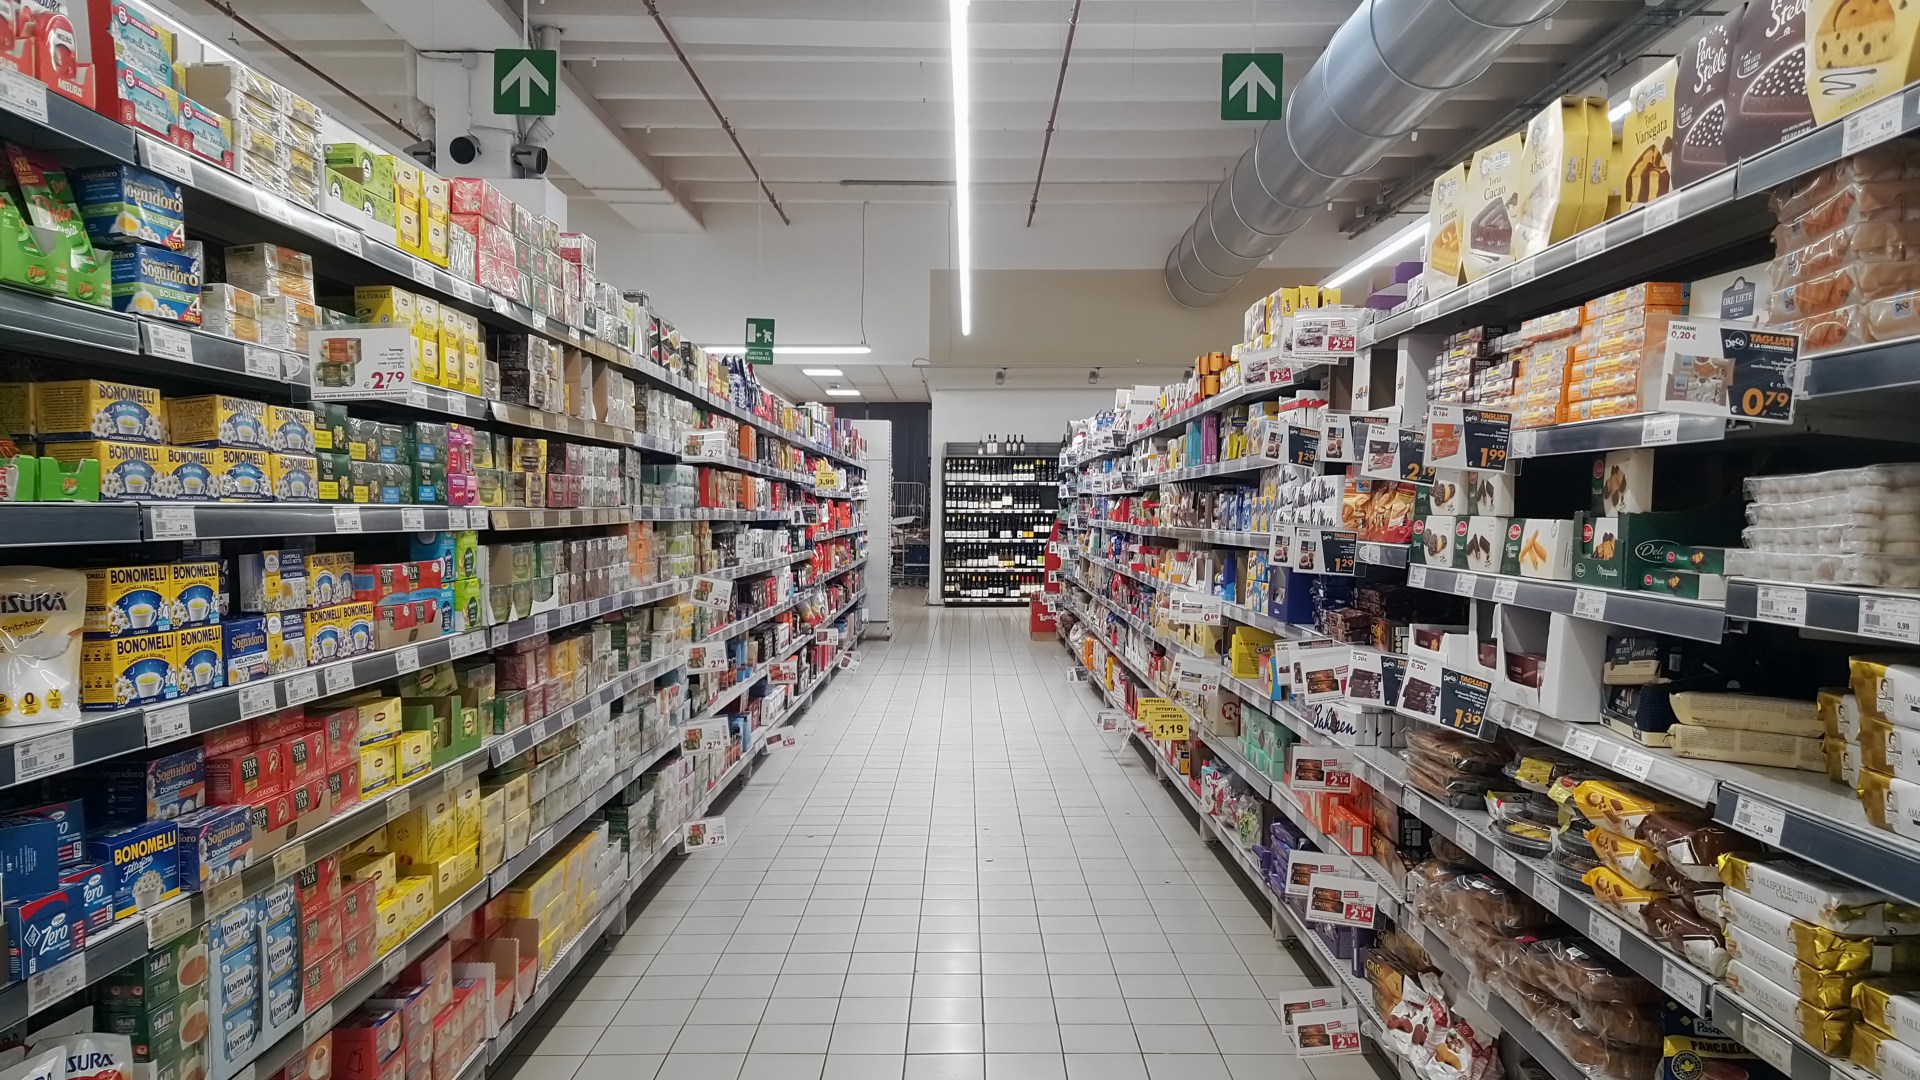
[1387,68]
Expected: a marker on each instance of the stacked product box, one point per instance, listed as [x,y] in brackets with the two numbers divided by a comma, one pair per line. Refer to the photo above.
[447,347]
[160,1003]
[254,954]
[276,134]
[152,633]
[280,769]
[48,248]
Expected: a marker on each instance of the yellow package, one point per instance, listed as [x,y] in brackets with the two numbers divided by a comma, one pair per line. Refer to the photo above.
[379,765]
[200,661]
[1860,52]
[129,600]
[1599,159]
[416,755]
[435,192]
[409,229]
[390,922]
[380,867]
[242,475]
[1890,1005]
[427,833]
[128,470]
[384,305]
[1617,893]
[294,477]
[95,409]
[193,588]
[406,183]
[454,874]
[434,247]
[428,367]
[1869,679]
[1882,1054]
[126,671]
[416,895]
[289,430]
[1647,136]
[379,719]
[1630,858]
[220,420]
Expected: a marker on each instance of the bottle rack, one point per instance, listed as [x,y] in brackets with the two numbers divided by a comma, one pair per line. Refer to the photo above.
[996,512]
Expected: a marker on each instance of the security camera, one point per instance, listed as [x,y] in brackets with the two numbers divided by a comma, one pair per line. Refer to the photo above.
[530,160]
[464,149]
[1000,377]
[422,152]
[1093,377]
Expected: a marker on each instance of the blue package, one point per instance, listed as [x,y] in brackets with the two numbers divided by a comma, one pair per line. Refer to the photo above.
[434,547]
[123,204]
[146,864]
[154,789]
[280,900]
[234,927]
[70,818]
[158,282]
[90,889]
[281,942]
[42,932]
[27,863]
[245,644]
[239,977]
[283,1001]
[214,845]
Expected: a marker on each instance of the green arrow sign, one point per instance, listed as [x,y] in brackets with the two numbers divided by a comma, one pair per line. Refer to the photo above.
[1250,86]
[759,341]
[526,82]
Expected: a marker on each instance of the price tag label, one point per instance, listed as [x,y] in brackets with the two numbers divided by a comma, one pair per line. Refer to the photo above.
[1766,1044]
[1589,243]
[1590,604]
[167,160]
[346,519]
[258,699]
[1582,744]
[500,304]
[407,659]
[1524,270]
[1890,618]
[1505,589]
[423,273]
[350,240]
[1523,442]
[497,636]
[273,207]
[1547,895]
[1634,763]
[166,725]
[1662,213]
[399,803]
[1758,819]
[1463,584]
[466,645]
[340,678]
[64,979]
[169,343]
[318,1024]
[413,519]
[1782,604]
[1682,985]
[263,363]
[1659,429]
[1605,933]
[394,963]
[44,756]
[1876,123]
[302,688]
[1522,722]
[1478,291]
[540,322]
[1417,576]
[1502,864]
[1478,990]
[167,922]
[224,894]
[173,523]
[289,860]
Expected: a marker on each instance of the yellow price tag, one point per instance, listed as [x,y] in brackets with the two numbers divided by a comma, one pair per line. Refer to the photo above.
[1163,718]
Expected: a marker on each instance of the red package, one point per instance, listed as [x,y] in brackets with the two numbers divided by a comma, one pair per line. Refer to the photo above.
[243,776]
[359,951]
[227,739]
[276,726]
[323,977]
[435,972]
[272,811]
[305,755]
[319,884]
[343,787]
[364,1042]
[339,733]
[320,930]
[357,911]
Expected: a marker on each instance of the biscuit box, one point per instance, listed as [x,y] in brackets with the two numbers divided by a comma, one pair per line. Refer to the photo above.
[219,420]
[90,888]
[87,409]
[127,470]
[42,932]
[199,664]
[146,864]
[158,282]
[123,204]
[129,671]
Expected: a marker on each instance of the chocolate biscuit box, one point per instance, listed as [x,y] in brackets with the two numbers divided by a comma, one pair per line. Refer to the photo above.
[1700,101]
[1767,100]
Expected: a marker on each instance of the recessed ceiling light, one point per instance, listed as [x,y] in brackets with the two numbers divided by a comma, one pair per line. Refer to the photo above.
[821,372]
[843,392]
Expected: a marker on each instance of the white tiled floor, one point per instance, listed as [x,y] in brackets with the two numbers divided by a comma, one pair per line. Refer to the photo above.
[953,876]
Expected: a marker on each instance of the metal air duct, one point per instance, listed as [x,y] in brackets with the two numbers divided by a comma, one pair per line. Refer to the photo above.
[1387,68]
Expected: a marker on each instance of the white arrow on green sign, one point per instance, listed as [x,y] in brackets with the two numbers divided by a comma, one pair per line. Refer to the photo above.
[759,341]
[526,82]
[1250,86]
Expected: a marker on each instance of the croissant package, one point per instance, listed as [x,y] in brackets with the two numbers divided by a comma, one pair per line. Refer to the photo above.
[1844,271]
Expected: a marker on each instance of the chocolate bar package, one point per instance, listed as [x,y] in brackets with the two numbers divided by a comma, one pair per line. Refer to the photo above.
[1767,100]
[1700,101]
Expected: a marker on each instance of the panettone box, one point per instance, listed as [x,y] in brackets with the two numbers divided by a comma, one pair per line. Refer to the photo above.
[1767,82]
[1862,51]
[1647,137]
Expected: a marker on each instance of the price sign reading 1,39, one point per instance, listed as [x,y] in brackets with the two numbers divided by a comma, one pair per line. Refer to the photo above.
[1463,701]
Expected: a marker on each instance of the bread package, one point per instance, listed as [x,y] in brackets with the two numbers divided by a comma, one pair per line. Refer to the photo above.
[1813,895]
[1825,989]
[1693,845]
[1684,931]
[1747,747]
[1748,712]
[1817,946]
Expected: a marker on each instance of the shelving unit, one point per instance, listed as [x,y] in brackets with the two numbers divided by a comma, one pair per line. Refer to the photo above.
[996,512]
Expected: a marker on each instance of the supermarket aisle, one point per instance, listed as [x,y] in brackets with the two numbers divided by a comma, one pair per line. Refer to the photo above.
[951,877]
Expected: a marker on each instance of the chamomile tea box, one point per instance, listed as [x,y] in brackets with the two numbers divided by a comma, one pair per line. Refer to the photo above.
[159,282]
[84,409]
[124,204]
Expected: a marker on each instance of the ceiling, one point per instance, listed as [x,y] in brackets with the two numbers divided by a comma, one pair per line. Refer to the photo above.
[831,96]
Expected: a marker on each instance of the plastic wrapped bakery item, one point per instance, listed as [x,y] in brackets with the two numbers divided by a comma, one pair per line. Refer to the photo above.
[1813,895]
[1537,769]
[1621,804]
[1691,844]
[1449,853]
[1491,902]
[1865,489]
[1569,866]
[1702,898]
[1890,1005]
[1621,1024]
[1850,285]
[1881,1054]
[1898,159]
[1747,712]
[1868,571]
[1826,1029]
[1579,971]
[1624,855]
[1524,838]
[1848,204]
[1510,806]
[1864,537]
[1891,318]
[1817,946]
[1748,747]
[1619,895]
[1686,933]
[1454,789]
[1820,986]
[1605,1060]
[1866,243]
[1840,328]
[1461,753]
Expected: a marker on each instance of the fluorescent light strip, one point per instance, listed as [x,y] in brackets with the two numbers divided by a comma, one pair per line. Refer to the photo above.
[1391,246]
[1614,114]
[820,372]
[798,350]
[962,160]
[839,392]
